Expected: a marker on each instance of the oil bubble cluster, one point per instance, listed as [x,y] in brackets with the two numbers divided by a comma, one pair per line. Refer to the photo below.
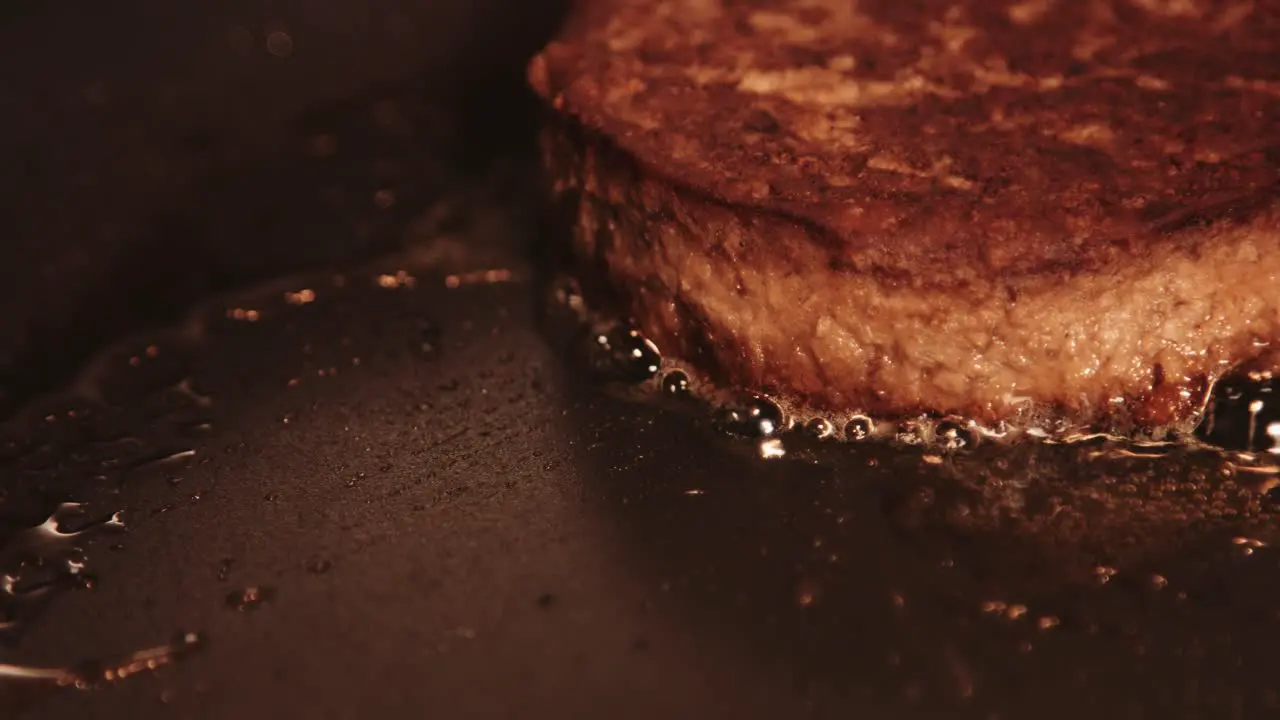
[1240,413]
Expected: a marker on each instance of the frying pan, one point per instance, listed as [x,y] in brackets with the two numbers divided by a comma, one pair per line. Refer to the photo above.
[299,416]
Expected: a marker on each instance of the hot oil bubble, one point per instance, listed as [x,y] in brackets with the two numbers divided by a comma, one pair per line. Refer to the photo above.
[622,354]
[954,435]
[675,384]
[859,428]
[1241,413]
[751,416]
[911,432]
[819,428]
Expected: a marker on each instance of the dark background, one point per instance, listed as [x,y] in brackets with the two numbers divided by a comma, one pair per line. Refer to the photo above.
[145,145]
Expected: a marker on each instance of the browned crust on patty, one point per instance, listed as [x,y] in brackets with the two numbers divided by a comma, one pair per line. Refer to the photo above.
[944,144]
[1137,347]
[1048,211]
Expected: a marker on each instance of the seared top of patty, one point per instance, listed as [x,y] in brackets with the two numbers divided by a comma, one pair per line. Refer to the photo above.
[944,142]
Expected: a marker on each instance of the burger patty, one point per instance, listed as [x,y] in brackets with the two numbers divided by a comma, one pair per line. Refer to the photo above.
[1066,210]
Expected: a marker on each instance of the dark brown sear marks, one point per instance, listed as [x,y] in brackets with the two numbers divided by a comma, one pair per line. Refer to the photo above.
[1052,136]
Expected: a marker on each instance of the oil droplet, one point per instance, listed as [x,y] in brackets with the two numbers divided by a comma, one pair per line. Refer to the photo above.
[400,279]
[166,458]
[479,277]
[250,598]
[807,593]
[38,561]
[185,389]
[302,297]
[994,606]
[1246,546]
[279,44]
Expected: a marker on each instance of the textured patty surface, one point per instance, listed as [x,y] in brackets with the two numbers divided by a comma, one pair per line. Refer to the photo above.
[975,208]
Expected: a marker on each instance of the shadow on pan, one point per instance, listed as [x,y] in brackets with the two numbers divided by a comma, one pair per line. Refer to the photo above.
[147,170]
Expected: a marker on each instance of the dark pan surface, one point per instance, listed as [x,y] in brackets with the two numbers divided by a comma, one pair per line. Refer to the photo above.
[458,521]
